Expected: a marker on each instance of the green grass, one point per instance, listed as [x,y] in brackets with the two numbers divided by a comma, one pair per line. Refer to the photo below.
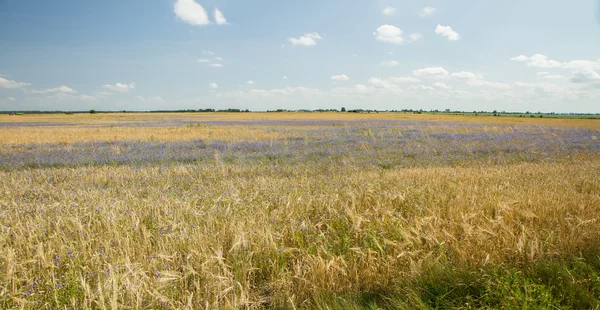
[552,283]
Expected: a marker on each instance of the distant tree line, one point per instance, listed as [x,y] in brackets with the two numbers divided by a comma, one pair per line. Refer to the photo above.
[342,110]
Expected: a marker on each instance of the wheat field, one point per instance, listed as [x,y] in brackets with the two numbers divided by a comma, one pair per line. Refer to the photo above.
[298,211]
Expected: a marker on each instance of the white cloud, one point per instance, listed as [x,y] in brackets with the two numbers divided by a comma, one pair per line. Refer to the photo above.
[60,89]
[155,98]
[381,83]
[391,63]
[521,58]
[219,18]
[537,61]
[446,31]
[11,99]
[213,85]
[284,77]
[86,98]
[465,75]
[427,11]
[403,79]
[208,53]
[431,72]
[340,77]
[442,85]
[421,87]
[259,93]
[203,60]
[354,55]
[415,36]
[68,96]
[548,76]
[362,89]
[484,83]
[391,82]
[308,39]
[120,87]
[219,58]
[4,83]
[583,65]
[216,65]
[585,76]
[543,61]
[389,11]
[389,33]
[250,82]
[191,12]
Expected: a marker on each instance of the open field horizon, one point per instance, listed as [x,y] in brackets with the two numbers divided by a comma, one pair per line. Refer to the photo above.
[288,210]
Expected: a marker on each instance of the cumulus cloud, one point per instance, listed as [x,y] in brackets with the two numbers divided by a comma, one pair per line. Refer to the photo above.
[391,63]
[60,89]
[5,83]
[203,60]
[389,11]
[583,64]
[427,11]
[213,85]
[219,18]
[389,33]
[11,99]
[217,65]
[446,31]
[250,82]
[537,61]
[442,85]
[340,77]
[191,12]
[585,77]
[308,39]
[284,77]
[120,87]
[431,72]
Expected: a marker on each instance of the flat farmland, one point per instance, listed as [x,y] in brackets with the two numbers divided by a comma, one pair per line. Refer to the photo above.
[298,210]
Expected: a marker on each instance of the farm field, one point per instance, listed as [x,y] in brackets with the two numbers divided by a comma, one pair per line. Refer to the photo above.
[298,211]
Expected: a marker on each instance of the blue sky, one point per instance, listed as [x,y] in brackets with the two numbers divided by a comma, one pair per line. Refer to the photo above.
[181,54]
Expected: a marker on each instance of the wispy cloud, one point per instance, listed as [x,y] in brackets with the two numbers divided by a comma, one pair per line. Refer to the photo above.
[219,18]
[5,83]
[60,89]
[120,87]
[391,63]
[340,77]
[389,11]
[427,11]
[308,39]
